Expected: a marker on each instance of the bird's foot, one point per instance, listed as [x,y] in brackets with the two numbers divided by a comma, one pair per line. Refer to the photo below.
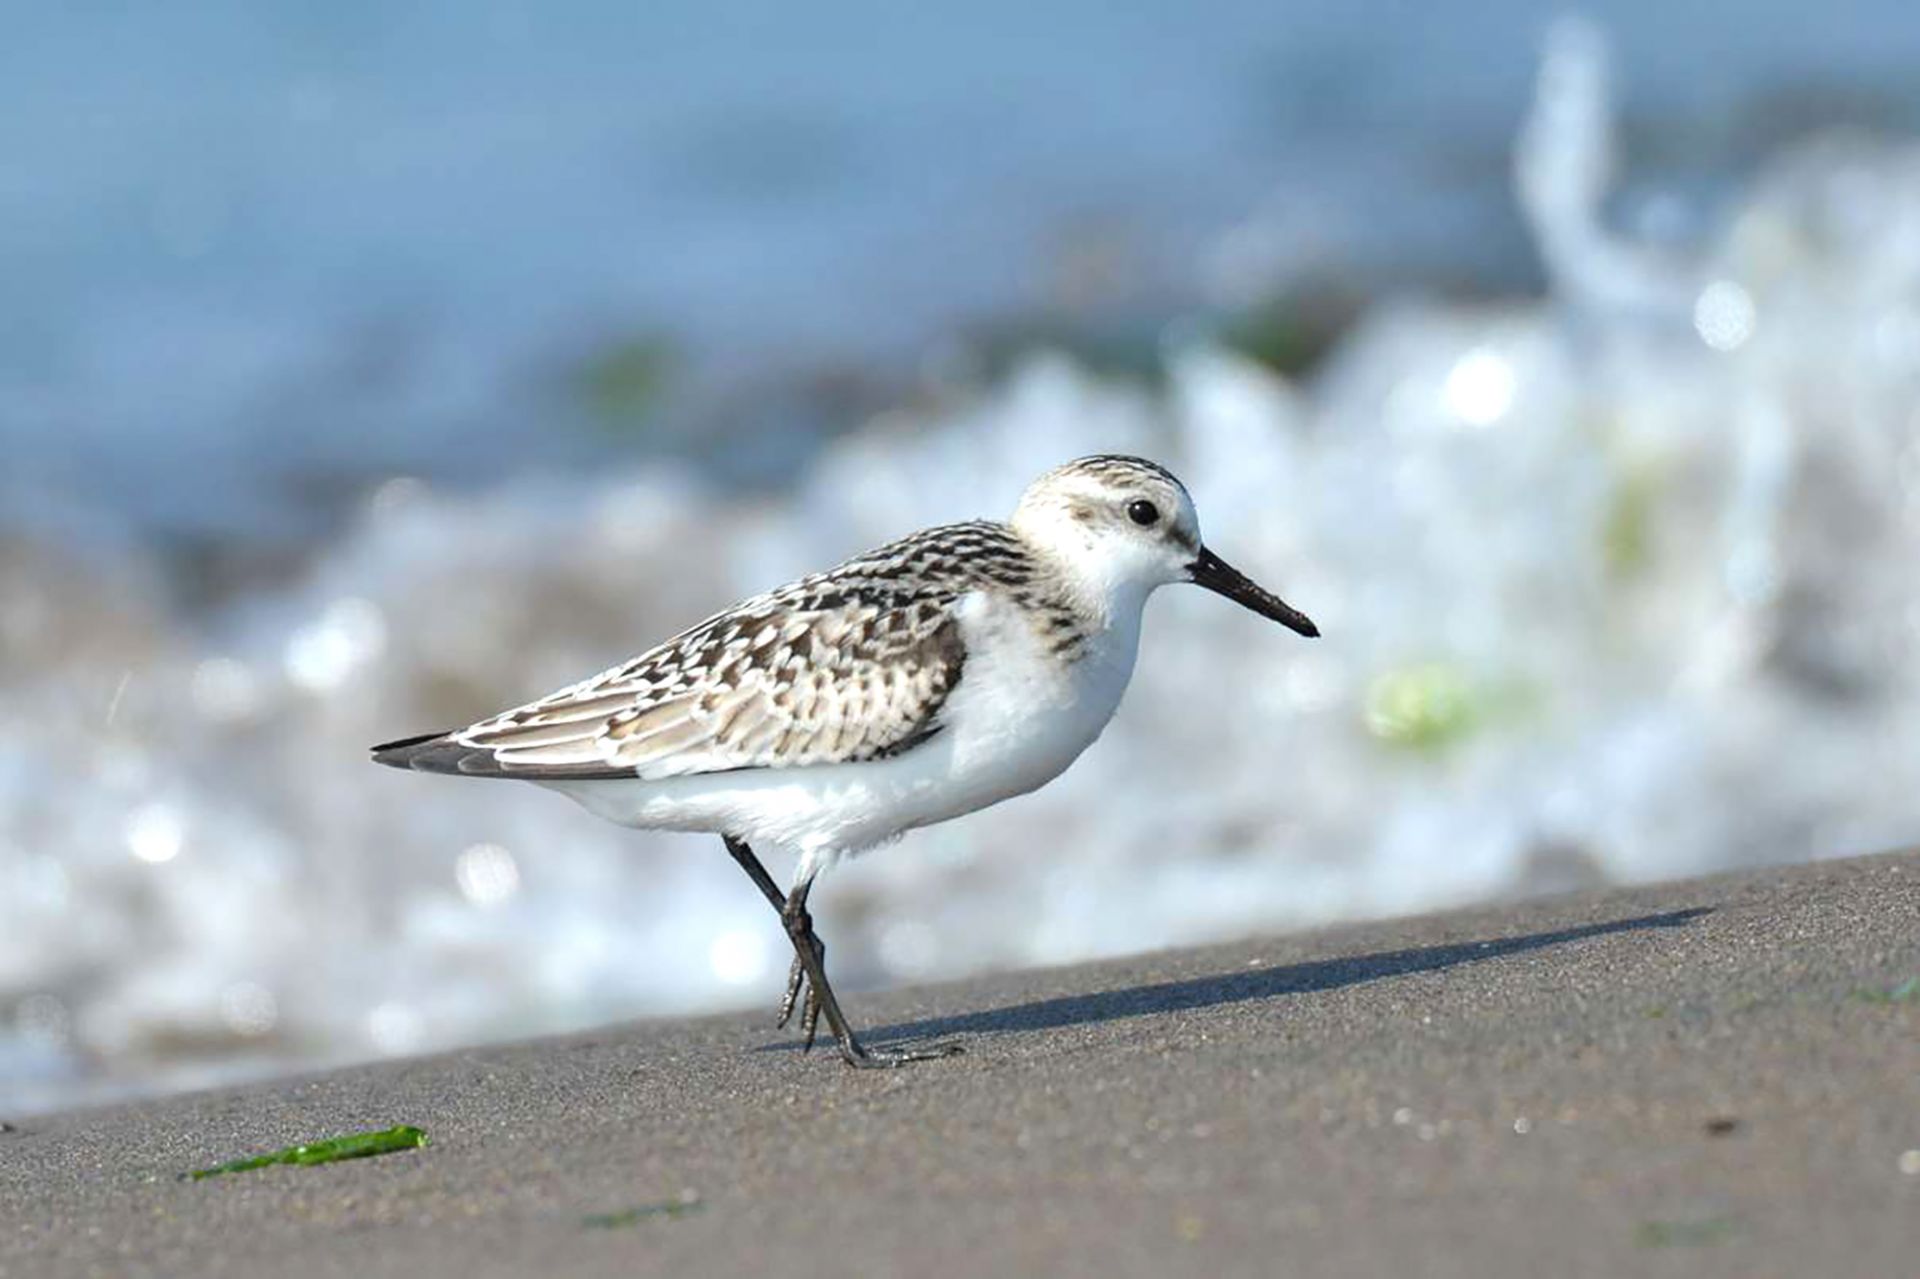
[861,1057]
[810,970]
[852,1051]
[796,978]
[810,1014]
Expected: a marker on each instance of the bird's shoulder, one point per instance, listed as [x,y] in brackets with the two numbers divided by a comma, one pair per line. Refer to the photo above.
[869,609]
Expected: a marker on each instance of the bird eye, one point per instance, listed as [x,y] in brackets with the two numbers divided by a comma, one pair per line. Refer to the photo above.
[1142,513]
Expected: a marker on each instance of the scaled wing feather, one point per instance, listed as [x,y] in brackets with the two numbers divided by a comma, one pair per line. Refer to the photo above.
[779,687]
[848,665]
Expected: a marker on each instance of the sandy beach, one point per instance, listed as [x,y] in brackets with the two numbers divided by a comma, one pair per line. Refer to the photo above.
[1718,1076]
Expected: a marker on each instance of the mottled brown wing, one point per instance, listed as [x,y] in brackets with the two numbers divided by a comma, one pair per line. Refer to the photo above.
[774,687]
[852,664]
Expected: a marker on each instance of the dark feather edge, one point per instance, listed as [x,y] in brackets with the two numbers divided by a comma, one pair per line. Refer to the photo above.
[439,753]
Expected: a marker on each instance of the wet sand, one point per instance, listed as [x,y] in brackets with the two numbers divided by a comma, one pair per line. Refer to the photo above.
[1719,1076]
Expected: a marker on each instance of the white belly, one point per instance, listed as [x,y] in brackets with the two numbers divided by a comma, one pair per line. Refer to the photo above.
[1016,719]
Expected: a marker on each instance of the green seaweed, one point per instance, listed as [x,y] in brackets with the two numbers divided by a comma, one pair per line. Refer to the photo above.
[1906,992]
[1293,333]
[359,1145]
[1626,531]
[669,1208]
[1684,1234]
[1424,707]
[625,383]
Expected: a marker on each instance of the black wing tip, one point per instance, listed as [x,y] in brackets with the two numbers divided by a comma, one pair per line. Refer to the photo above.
[440,753]
[414,752]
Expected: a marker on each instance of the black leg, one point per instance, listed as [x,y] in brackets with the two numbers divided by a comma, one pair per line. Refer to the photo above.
[810,1018]
[756,872]
[810,956]
[801,972]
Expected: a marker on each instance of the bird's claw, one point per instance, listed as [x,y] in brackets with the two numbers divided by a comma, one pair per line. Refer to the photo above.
[810,1013]
[861,1057]
[796,975]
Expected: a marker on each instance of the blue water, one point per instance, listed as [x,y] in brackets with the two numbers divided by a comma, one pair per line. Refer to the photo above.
[259,254]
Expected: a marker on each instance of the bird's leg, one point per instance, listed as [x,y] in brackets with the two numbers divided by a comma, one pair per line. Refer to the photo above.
[756,872]
[742,853]
[810,1023]
[809,958]
[810,1017]
[795,976]
[808,949]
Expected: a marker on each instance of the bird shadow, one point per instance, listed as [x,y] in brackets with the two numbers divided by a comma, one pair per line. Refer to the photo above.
[1251,984]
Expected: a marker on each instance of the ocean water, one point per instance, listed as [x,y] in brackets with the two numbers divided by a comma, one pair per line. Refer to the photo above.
[258,256]
[1615,579]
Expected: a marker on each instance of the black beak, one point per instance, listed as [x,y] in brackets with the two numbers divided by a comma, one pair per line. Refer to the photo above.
[1222,578]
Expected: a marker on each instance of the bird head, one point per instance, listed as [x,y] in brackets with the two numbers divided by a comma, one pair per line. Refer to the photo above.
[1120,527]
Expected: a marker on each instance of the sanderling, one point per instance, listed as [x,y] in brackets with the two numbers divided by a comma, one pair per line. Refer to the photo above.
[941,673]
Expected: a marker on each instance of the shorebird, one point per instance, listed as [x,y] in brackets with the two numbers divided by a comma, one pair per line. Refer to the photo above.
[947,671]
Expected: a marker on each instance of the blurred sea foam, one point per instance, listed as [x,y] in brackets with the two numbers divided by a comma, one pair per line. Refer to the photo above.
[1616,584]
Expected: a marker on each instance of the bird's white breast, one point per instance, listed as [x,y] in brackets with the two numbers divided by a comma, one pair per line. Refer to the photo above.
[1019,715]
